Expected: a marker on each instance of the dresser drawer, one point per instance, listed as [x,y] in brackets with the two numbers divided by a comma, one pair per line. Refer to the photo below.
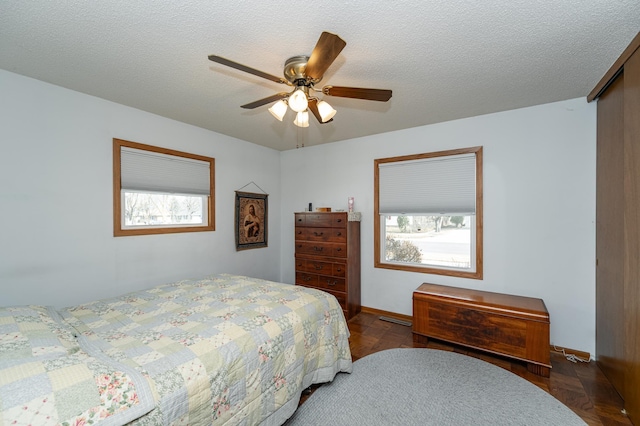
[321,281]
[339,250]
[322,220]
[301,219]
[322,268]
[321,249]
[329,235]
[332,283]
[314,219]
[306,279]
[339,270]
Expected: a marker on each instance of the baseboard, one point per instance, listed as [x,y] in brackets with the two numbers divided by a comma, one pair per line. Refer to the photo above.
[568,351]
[401,317]
[409,318]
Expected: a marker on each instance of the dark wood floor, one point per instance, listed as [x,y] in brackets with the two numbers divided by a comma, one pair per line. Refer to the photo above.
[580,386]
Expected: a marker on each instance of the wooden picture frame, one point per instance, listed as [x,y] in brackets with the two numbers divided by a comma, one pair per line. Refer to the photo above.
[251,220]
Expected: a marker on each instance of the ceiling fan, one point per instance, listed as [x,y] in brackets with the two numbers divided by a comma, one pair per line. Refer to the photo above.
[303,73]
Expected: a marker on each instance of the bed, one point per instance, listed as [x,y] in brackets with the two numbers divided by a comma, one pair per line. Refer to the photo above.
[223,349]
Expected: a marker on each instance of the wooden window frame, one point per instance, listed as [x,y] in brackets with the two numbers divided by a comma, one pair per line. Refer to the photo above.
[378,245]
[117,192]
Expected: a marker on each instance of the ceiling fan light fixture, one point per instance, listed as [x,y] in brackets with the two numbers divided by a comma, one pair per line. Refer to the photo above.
[279,109]
[326,111]
[302,73]
[298,101]
[302,119]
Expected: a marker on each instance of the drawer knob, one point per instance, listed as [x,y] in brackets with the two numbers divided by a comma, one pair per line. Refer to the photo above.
[318,234]
[318,248]
[339,234]
[339,249]
[332,283]
[307,278]
[318,267]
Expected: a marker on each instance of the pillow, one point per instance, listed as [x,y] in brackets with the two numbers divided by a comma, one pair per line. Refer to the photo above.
[28,332]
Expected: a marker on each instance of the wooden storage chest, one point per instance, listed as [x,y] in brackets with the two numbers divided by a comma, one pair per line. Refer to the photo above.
[512,326]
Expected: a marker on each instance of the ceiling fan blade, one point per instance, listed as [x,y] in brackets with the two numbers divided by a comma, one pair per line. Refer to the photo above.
[326,51]
[265,101]
[313,107]
[381,95]
[232,64]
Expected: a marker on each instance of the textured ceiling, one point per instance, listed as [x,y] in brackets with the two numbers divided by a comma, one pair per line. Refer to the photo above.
[443,60]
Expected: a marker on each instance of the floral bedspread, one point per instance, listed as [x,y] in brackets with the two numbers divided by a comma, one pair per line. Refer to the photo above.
[47,378]
[220,350]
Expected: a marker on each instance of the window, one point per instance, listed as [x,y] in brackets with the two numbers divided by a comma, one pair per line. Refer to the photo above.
[428,213]
[159,191]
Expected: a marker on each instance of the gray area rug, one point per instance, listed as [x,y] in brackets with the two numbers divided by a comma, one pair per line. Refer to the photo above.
[430,387]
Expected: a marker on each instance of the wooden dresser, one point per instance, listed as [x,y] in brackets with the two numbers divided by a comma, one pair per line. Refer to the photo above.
[513,326]
[327,255]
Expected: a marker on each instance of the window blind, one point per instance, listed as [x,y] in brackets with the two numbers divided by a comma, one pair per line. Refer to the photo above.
[155,172]
[430,186]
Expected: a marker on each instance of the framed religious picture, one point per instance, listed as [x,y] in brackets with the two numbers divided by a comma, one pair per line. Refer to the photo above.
[251,220]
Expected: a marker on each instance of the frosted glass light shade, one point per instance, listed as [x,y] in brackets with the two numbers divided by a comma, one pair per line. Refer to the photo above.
[302,119]
[278,109]
[298,101]
[326,111]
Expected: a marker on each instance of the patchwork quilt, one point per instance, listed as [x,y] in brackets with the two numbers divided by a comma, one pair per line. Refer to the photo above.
[47,378]
[220,350]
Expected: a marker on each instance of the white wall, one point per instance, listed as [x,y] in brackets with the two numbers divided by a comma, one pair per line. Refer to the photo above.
[539,207]
[57,245]
[56,204]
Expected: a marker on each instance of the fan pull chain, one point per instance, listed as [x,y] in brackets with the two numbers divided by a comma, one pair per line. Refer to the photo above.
[300,137]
